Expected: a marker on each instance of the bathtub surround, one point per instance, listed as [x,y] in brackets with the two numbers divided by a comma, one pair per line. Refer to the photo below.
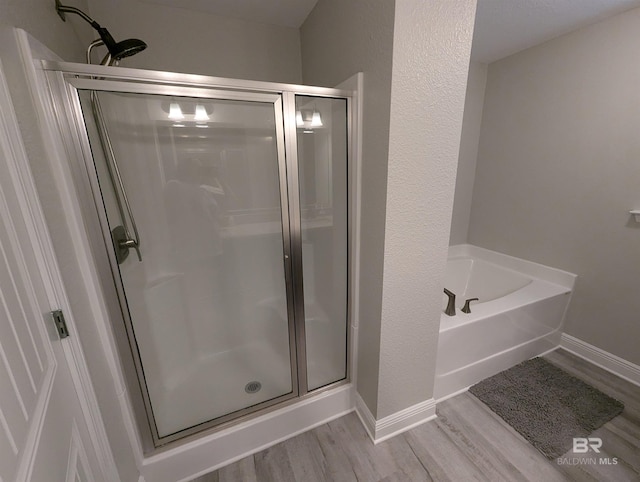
[558,172]
[520,315]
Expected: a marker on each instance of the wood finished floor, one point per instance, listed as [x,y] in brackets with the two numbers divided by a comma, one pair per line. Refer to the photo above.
[466,442]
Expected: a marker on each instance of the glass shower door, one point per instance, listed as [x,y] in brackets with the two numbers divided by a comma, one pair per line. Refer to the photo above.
[321,135]
[206,302]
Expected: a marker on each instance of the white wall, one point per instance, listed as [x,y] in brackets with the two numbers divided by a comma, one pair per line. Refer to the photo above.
[558,170]
[181,40]
[473,104]
[339,39]
[418,140]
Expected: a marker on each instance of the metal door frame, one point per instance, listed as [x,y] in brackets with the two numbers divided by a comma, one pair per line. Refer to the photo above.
[65,79]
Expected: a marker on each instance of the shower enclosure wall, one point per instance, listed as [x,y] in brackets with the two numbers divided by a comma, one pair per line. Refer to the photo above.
[223,222]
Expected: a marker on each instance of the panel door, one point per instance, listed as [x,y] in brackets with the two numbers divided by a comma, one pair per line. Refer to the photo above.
[44,436]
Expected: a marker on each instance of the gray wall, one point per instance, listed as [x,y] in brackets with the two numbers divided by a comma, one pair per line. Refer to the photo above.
[181,40]
[473,104]
[339,39]
[558,170]
[39,18]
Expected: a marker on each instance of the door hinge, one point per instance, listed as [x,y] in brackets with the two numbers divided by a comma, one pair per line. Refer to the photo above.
[61,325]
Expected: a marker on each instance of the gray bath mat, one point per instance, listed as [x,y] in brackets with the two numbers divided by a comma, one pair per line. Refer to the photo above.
[546,405]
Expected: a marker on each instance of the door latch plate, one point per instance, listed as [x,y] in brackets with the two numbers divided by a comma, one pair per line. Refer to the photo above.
[61,324]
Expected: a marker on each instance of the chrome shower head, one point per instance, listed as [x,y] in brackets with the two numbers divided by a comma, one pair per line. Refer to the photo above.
[117,50]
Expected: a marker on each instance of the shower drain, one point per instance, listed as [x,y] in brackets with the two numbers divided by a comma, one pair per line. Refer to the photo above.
[252,387]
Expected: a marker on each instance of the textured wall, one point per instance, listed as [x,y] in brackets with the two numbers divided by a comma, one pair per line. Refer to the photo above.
[428,52]
[558,170]
[181,40]
[339,39]
[431,48]
[474,101]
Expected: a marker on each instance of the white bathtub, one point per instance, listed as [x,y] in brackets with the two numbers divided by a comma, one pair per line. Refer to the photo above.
[519,315]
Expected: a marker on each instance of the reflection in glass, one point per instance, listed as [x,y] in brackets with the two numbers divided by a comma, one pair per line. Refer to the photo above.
[208,302]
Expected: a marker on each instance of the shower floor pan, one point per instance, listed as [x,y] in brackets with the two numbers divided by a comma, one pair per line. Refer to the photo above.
[215,386]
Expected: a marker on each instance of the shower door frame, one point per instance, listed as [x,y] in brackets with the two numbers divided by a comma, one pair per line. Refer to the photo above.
[65,80]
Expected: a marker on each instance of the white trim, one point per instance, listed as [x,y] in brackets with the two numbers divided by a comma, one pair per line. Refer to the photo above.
[454,394]
[208,453]
[77,457]
[365,416]
[12,146]
[355,84]
[603,359]
[396,423]
[51,272]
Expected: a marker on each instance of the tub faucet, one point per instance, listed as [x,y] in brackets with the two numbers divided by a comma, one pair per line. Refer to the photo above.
[451,305]
[467,308]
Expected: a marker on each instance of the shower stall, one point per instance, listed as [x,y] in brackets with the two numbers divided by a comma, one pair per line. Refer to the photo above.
[218,216]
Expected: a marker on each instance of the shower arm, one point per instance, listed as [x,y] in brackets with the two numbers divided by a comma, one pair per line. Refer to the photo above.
[128,241]
[106,37]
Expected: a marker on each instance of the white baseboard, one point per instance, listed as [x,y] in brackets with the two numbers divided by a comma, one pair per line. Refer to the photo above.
[211,452]
[612,363]
[395,424]
[366,417]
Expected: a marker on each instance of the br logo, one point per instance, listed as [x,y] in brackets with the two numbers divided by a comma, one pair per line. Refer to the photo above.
[583,445]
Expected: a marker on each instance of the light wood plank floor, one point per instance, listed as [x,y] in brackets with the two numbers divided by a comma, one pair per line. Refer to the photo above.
[466,442]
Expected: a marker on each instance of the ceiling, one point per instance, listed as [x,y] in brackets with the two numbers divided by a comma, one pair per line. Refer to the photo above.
[503,27]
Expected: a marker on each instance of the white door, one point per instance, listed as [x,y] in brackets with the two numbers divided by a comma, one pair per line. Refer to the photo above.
[44,435]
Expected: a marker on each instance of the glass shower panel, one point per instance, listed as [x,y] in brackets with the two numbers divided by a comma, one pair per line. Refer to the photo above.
[207,303]
[322,170]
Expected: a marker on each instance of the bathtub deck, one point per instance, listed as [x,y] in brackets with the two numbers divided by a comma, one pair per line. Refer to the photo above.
[466,442]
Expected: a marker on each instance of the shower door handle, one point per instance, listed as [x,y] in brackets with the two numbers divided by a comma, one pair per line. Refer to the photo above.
[123,243]
[131,243]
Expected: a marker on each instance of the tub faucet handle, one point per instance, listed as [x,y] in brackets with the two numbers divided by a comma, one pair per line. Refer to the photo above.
[466,308]
[451,305]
